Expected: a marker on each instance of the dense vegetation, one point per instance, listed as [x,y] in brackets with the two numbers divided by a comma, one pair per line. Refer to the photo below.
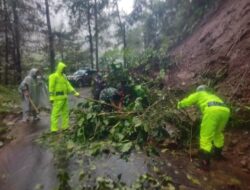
[148,122]
[92,33]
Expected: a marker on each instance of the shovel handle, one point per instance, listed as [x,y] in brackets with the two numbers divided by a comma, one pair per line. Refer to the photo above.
[33,105]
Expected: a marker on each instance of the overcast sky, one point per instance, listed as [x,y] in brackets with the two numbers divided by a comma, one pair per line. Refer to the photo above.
[126,5]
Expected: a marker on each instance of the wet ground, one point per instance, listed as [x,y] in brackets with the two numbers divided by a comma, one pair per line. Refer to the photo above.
[24,165]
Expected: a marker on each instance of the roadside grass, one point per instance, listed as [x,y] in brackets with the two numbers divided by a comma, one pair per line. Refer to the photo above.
[9,99]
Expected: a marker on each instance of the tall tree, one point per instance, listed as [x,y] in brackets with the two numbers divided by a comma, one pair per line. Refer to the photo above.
[96,36]
[91,47]
[100,24]
[6,28]
[16,40]
[82,14]
[122,28]
[51,39]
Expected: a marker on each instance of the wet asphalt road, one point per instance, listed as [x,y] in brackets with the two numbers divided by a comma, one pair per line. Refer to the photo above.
[24,165]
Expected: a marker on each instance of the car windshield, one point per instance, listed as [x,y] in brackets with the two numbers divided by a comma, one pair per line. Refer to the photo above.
[80,72]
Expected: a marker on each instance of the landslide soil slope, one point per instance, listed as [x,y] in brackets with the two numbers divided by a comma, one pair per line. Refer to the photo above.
[218,50]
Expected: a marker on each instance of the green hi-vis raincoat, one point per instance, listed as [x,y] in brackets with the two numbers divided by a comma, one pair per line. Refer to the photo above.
[59,89]
[215,117]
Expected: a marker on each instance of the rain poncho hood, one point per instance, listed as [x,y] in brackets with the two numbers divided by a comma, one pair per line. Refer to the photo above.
[28,81]
[33,72]
[36,87]
[60,67]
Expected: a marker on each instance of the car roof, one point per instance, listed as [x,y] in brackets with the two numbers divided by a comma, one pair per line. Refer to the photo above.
[85,71]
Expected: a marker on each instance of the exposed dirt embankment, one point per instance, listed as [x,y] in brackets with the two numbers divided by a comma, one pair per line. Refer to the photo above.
[218,51]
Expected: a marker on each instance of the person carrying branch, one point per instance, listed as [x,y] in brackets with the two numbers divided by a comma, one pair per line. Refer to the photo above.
[30,95]
[215,115]
[59,89]
[98,85]
[111,96]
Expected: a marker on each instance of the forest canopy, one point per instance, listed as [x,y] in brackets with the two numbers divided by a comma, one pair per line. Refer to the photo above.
[90,33]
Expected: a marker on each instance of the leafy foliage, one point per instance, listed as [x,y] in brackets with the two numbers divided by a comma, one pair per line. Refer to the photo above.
[145,181]
[138,124]
[9,100]
[171,20]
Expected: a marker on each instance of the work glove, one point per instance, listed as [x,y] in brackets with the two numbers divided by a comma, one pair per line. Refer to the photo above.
[76,94]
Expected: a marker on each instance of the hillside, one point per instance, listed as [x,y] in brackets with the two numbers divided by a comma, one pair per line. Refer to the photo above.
[218,51]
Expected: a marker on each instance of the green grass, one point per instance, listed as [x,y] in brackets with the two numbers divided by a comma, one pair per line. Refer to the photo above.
[9,99]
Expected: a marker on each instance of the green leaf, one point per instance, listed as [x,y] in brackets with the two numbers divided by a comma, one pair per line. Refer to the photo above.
[156,169]
[193,180]
[126,147]
[81,175]
[70,145]
[106,121]
[247,107]
[89,115]
[137,122]
[120,136]
[167,178]
[93,167]
[81,121]
[126,123]
[39,187]
[146,127]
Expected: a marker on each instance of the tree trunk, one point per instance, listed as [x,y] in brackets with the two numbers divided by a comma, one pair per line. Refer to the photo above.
[2,13]
[90,37]
[124,45]
[16,40]
[51,39]
[96,37]
[123,30]
[61,45]
[6,24]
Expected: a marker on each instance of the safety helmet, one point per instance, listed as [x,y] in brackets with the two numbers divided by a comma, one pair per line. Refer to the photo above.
[202,88]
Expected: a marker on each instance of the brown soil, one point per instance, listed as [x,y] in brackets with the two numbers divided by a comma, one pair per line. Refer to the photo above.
[219,50]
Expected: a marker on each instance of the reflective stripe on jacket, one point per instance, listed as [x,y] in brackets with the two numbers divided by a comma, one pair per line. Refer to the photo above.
[59,86]
[202,100]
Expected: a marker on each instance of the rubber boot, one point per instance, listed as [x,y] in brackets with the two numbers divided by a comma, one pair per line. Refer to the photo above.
[204,163]
[217,154]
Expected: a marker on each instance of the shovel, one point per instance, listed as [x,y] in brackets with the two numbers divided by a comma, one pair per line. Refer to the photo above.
[33,105]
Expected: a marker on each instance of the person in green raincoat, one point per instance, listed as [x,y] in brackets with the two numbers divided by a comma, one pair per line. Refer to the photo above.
[59,89]
[215,115]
